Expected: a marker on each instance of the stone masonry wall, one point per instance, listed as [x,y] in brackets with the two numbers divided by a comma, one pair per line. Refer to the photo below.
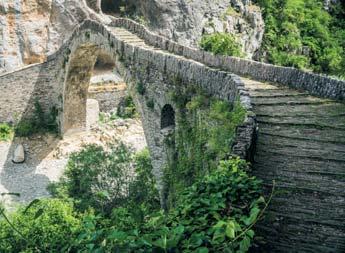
[108,100]
[317,85]
[20,89]
[68,69]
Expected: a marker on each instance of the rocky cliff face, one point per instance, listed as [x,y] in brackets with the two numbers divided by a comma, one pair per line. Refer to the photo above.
[32,29]
[186,20]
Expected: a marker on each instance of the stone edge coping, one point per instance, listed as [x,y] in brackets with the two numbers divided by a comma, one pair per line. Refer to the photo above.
[22,69]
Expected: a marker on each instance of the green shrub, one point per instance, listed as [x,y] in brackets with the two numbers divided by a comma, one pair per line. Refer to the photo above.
[97,178]
[221,44]
[215,214]
[40,122]
[25,128]
[46,226]
[141,88]
[6,132]
[302,34]
[150,104]
[127,109]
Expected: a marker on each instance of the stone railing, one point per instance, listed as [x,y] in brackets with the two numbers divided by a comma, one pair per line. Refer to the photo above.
[315,84]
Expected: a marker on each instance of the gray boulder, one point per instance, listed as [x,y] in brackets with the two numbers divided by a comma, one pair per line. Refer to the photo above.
[19,154]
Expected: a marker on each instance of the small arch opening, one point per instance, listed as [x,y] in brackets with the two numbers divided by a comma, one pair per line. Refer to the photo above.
[167,117]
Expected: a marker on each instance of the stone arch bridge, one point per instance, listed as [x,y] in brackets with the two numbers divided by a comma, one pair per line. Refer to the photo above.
[297,117]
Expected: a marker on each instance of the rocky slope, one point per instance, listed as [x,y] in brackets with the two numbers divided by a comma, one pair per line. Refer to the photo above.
[186,20]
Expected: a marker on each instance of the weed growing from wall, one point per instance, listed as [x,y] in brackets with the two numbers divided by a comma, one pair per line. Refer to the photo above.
[126,108]
[204,136]
[39,122]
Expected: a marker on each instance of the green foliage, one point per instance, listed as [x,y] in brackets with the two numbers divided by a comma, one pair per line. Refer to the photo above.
[6,132]
[150,104]
[107,117]
[141,88]
[143,193]
[205,136]
[40,122]
[215,214]
[46,226]
[97,177]
[221,44]
[127,109]
[300,33]
[25,128]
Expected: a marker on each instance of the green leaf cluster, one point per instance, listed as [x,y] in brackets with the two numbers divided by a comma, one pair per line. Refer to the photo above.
[215,214]
[206,132]
[126,108]
[46,226]
[221,44]
[41,121]
[302,34]
[6,132]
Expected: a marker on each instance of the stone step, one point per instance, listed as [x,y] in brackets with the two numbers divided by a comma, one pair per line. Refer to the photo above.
[276,93]
[303,133]
[300,154]
[317,122]
[289,100]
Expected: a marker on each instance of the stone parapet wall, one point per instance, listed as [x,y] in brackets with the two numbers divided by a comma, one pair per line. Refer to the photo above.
[108,100]
[315,84]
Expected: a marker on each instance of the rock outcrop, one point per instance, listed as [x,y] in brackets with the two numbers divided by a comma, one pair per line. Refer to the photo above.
[33,29]
[30,30]
[19,154]
[186,20]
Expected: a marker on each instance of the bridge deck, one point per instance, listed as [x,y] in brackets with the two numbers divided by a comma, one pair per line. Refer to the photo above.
[301,145]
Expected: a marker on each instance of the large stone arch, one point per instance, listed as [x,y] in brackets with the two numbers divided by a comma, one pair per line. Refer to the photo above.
[80,58]
[158,71]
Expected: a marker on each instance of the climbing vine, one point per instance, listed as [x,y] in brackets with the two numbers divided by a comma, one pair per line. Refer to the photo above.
[205,134]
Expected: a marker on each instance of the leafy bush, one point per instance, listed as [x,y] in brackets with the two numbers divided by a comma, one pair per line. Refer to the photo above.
[6,132]
[205,136]
[215,214]
[97,177]
[25,128]
[141,88]
[127,108]
[46,226]
[300,33]
[222,44]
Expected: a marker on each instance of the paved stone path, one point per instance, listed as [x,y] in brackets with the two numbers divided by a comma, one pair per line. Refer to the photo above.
[301,145]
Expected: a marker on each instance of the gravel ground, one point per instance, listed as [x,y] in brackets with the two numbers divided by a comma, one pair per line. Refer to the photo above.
[47,155]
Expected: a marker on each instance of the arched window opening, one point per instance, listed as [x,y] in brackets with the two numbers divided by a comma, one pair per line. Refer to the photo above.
[167,117]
